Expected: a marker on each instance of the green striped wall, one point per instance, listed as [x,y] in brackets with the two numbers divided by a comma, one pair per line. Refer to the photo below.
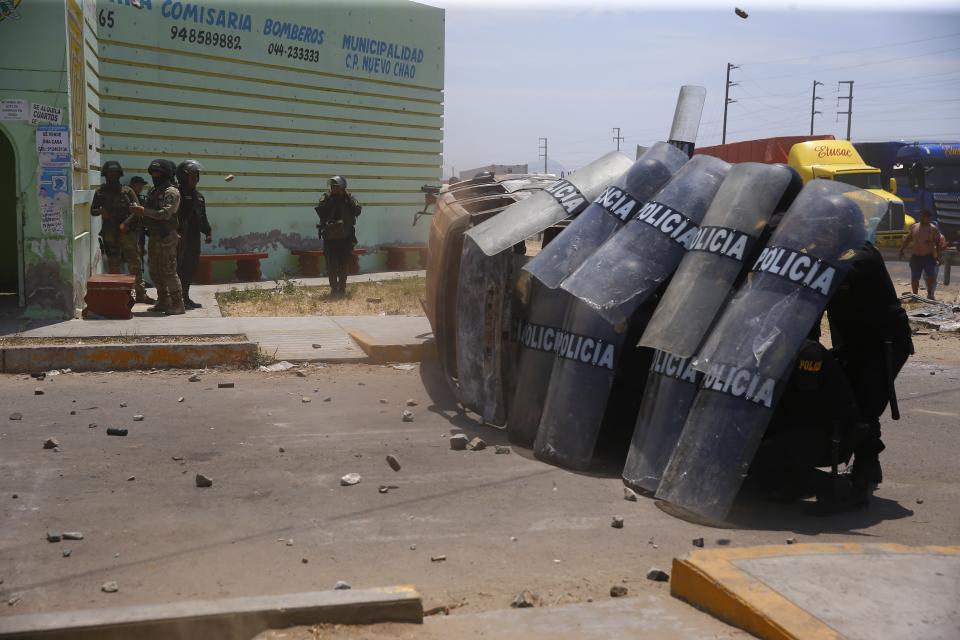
[280,125]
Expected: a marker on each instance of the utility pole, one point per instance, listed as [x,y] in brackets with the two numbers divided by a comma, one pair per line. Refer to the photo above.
[543,153]
[813,104]
[849,99]
[616,137]
[727,101]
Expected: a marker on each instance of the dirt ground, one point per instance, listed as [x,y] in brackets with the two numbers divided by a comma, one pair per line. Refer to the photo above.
[278,521]
[387,297]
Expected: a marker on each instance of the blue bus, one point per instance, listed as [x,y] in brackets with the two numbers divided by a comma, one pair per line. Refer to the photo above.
[927,176]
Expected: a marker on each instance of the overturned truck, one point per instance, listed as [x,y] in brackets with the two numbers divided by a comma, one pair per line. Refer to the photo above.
[641,313]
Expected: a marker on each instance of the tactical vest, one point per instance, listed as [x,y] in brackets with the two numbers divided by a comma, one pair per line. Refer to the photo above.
[161,228]
[118,204]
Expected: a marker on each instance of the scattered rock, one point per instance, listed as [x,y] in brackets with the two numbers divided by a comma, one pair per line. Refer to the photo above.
[51,443]
[723,542]
[225,385]
[327,399]
[38,392]
[919,500]
[658,575]
[204,480]
[15,496]
[513,538]
[180,399]
[123,405]
[304,399]
[54,536]
[350,479]
[411,402]
[299,374]
[138,417]
[289,542]
[501,450]
[114,431]
[526,600]
[698,542]
[16,416]
[477,444]
[618,591]
[384,489]
[458,442]
[393,462]
[413,547]
[110,587]
[66,553]
[629,494]
[92,425]
[440,558]
[304,560]
[341,585]
[14,601]
[73,413]
[72,535]
[131,478]
[177,458]
[282,450]
[317,346]
[194,378]
[407,416]
[383,401]
[616,522]
[791,541]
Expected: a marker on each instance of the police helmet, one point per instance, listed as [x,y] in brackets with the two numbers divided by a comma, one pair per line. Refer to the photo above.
[188,166]
[110,165]
[338,181]
[165,168]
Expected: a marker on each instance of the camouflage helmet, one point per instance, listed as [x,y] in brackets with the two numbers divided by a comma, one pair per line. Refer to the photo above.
[165,167]
[188,166]
[110,165]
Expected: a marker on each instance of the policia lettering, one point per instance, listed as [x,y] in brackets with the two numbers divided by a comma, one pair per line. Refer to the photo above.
[671,366]
[568,196]
[798,268]
[721,241]
[740,383]
[572,346]
[673,224]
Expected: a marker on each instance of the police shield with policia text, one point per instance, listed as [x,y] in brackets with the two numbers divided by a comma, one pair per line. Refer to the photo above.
[338,212]
[159,216]
[120,241]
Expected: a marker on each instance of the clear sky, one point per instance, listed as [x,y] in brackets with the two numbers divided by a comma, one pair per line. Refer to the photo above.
[570,72]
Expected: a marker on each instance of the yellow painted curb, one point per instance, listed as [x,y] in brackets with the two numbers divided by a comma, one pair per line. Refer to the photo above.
[382,352]
[710,581]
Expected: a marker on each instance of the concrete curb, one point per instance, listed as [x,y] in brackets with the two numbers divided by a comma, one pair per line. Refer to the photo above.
[382,352]
[710,581]
[120,357]
[221,619]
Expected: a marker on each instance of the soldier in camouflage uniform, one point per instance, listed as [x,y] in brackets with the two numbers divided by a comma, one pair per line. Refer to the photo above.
[111,201]
[338,212]
[193,222]
[159,217]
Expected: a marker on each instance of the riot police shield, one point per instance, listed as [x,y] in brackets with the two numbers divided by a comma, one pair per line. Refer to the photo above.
[733,223]
[749,351]
[537,341]
[564,198]
[613,208]
[595,386]
[637,260]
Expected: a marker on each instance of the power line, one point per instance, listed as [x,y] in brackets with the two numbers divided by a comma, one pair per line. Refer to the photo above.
[543,153]
[837,53]
[617,137]
[726,100]
[862,64]
[849,99]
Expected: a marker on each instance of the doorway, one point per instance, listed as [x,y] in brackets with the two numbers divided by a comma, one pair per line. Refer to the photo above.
[9,249]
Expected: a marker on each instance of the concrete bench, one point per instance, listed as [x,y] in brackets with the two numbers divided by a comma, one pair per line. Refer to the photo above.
[108,296]
[396,255]
[248,266]
[310,262]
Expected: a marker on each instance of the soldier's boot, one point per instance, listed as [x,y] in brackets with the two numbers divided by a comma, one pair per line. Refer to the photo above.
[187,302]
[163,302]
[143,297]
[176,304]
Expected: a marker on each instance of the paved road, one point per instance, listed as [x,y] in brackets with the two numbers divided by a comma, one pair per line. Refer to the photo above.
[163,539]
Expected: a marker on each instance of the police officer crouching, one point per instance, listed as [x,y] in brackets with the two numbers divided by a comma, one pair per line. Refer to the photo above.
[159,216]
[193,222]
[338,211]
[111,201]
